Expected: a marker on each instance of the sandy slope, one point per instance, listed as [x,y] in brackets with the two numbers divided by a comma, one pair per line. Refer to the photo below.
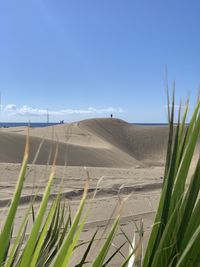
[96,142]
[12,147]
[145,143]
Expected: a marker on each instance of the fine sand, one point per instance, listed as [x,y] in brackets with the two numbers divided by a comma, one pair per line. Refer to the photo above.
[125,160]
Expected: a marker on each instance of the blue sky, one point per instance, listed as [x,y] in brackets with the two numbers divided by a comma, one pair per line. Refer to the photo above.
[88,58]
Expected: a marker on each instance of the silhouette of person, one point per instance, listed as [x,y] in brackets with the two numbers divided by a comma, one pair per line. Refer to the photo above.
[111,115]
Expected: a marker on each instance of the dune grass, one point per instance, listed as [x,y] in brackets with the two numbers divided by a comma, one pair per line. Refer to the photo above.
[175,235]
[175,238]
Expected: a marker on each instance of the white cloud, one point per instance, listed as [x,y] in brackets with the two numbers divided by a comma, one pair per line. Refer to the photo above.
[26,110]
[10,108]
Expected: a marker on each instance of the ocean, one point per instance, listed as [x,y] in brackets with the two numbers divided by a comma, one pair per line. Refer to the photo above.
[31,124]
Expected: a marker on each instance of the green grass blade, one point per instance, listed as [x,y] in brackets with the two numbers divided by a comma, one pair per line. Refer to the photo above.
[171,130]
[185,164]
[17,239]
[183,121]
[192,225]
[69,238]
[83,260]
[52,253]
[190,142]
[155,233]
[38,247]
[6,231]
[167,196]
[168,243]
[176,227]
[74,242]
[126,262]
[30,245]
[113,255]
[66,226]
[193,120]
[33,213]
[17,252]
[190,200]
[192,209]
[48,242]
[104,250]
[193,243]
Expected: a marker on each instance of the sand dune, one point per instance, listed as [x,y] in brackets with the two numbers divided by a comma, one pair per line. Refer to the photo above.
[12,148]
[95,142]
[145,143]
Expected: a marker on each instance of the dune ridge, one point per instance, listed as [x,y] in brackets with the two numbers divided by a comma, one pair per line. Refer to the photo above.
[95,142]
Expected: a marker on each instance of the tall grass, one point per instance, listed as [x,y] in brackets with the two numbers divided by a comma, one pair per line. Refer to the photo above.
[175,238]
[175,235]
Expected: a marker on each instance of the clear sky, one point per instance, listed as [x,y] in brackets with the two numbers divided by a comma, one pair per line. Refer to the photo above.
[89,58]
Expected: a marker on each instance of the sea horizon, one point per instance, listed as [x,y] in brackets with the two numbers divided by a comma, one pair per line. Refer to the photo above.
[46,124]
